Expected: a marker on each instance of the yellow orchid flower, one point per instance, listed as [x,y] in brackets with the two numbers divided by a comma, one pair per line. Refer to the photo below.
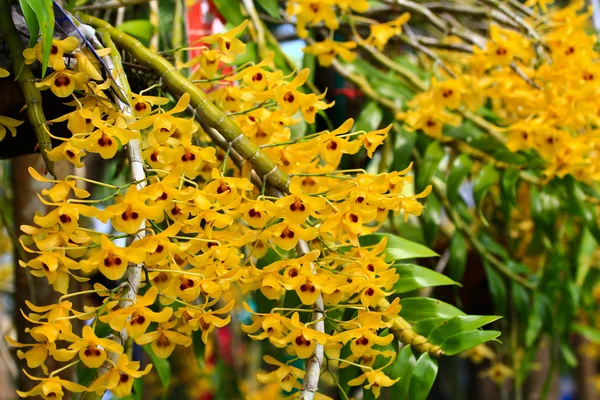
[163,340]
[10,124]
[63,82]
[59,47]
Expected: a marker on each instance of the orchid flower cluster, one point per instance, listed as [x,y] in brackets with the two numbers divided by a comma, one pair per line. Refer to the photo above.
[207,223]
[541,89]
[543,95]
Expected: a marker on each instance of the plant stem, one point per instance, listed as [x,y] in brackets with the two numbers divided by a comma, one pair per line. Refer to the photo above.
[403,331]
[310,384]
[26,80]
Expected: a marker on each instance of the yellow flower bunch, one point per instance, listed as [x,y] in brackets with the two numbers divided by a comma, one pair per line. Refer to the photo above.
[207,224]
[544,98]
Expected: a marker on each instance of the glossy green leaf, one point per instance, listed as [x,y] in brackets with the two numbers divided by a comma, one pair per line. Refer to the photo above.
[414,277]
[467,340]
[487,177]
[431,219]
[44,11]
[270,6]
[397,248]
[429,165]
[415,309]
[509,184]
[545,207]
[141,29]
[369,118]
[161,365]
[587,246]
[423,377]
[231,10]
[424,327]
[403,368]
[456,325]
[497,288]
[461,167]
[32,22]
[457,261]
[404,144]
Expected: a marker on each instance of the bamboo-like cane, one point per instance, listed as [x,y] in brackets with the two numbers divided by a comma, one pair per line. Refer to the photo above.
[26,80]
[207,111]
[403,331]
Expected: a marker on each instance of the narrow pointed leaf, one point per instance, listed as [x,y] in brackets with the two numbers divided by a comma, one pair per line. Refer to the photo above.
[467,340]
[44,12]
[461,167]
[415,309]
[487,177]
[457,262]
[32,22]
[398,248]
[459,324]
[414,277]
[403,368]
[423,377]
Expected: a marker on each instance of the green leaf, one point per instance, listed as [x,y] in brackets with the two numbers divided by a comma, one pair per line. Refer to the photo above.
[415,309]
[141,29]
[397,248]
[403,368]
[467,131]
[492,246]
[347,373]
[497,288]
[589,332]
[457,325]
[415,277]
[487,177]
[431,219]
[162,366]
[568,355]
[457,261]
[32,22]
[509,184]
[587,246]
[369,118]
[424,327]
[44,12]
[520,299]
[403,146]
[467,340]
[270,6]
[423,377]
[429,166]
[231,10]
[506,156]
[535,323]
[461,167]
